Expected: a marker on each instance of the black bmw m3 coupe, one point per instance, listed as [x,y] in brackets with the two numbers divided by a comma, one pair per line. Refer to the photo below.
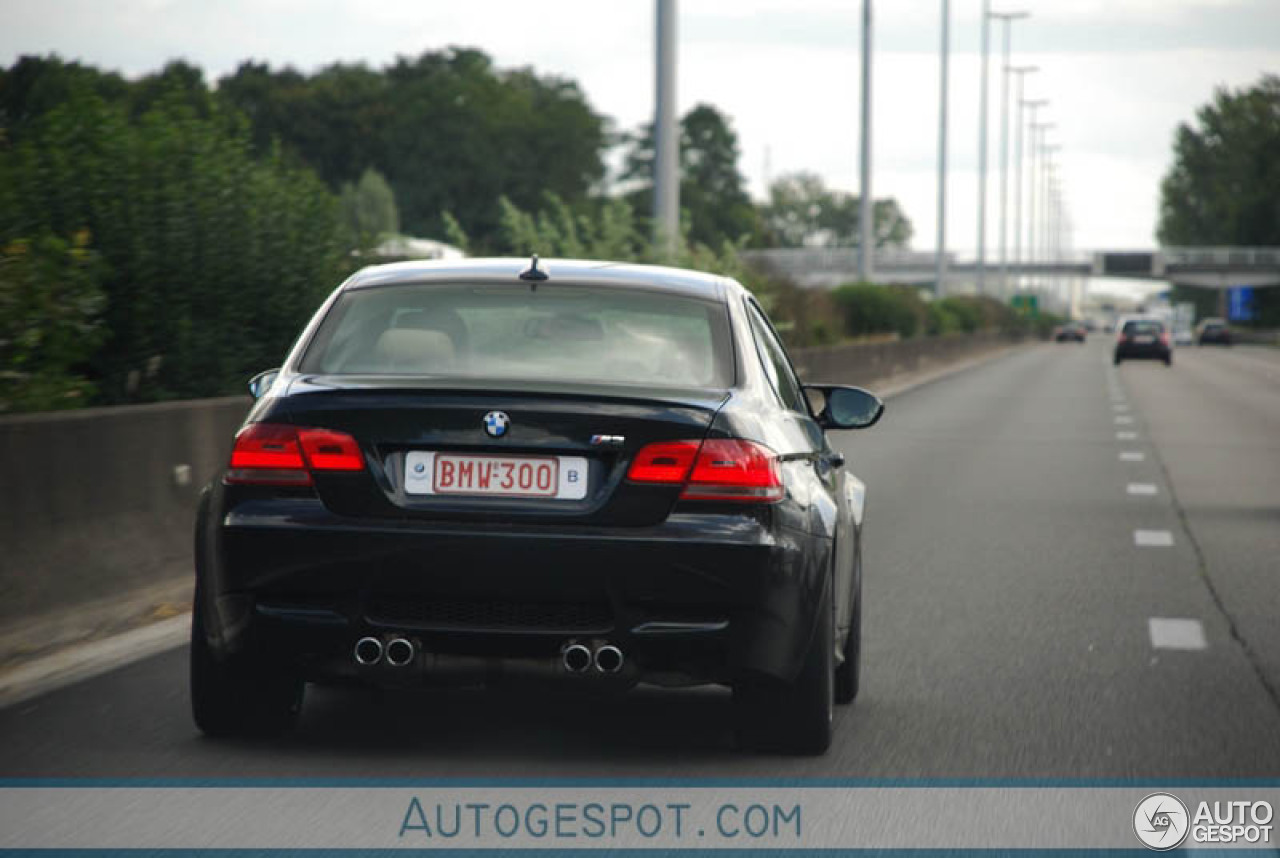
[586,473]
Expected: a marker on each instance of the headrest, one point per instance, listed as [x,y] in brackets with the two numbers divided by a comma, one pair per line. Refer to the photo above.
[414,350]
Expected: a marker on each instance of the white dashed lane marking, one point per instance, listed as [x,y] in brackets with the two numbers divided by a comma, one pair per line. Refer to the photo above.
[1152,538]
[1132,456]
[1123,420]
[1169,633]
[1126,436]
[1142,488]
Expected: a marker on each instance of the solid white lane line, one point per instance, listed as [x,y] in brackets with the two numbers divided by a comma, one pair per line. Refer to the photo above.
[1126,436]
[1123,420]
[1169,633]
[1132,456]
[1142,488]
[1152,538]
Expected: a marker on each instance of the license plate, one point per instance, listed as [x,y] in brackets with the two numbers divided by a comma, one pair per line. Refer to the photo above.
[1144,340]
[477,475]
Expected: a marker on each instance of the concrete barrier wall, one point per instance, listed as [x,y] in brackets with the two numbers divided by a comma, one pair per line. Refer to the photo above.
[99,503]
[872,363]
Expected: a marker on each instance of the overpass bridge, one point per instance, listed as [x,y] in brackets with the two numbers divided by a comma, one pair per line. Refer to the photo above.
[1204,267]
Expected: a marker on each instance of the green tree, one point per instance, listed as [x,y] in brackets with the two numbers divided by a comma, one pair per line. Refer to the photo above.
[215,258]
[713,195]
[803,212]
[50,307]
[33,86]
[1224,185]
[369,211]
[448,130]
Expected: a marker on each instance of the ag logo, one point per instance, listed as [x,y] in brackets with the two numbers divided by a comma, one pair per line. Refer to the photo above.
[1161,821]
[496,423]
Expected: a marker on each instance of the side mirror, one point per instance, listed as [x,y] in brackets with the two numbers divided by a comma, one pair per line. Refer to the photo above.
[847,407]
[261,383]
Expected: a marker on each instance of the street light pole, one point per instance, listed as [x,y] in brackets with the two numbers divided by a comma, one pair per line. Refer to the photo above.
[940,269]
[864,203]
[1033,106]
[1007,19]
[1046,206]
[1021,72]
[982,152]
[666,161]
[1037,159]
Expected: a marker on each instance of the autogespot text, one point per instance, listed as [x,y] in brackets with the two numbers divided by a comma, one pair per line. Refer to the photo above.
[446,821]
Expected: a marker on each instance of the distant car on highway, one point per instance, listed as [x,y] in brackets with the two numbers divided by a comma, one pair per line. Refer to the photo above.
[1213,332]
[588,474]
[1071,332]
[1143,338]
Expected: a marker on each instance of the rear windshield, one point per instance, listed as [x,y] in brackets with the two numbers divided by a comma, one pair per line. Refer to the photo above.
[1143,327]
[567,333]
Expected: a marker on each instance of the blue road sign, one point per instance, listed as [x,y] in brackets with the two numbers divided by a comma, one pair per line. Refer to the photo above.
[1240,304]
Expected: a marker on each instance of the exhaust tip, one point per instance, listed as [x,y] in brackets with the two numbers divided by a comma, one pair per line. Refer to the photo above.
[576,657]
[368,651]
[399,652]
[609,659]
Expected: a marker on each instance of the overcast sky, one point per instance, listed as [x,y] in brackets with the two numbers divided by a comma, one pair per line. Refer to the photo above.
[1121,74]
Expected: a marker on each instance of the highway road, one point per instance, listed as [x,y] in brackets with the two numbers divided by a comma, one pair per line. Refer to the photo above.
[1015,627]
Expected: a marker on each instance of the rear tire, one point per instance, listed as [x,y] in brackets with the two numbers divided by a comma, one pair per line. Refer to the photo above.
[1168,361]
[792,717]
[849,673]
[1116,360]
[231,698]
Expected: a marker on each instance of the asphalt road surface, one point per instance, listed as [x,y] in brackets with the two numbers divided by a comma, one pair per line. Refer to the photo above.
[1015,627]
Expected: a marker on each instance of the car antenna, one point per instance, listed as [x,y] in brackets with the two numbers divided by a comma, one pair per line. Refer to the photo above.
[533,275]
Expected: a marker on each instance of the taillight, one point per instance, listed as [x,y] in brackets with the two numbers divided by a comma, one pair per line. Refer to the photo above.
[1164,338]
[727,469]
[664,462]
[327,450]
[721,469]
[275,454]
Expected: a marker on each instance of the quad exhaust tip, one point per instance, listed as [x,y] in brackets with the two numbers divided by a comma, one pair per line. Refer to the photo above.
[608,659]
[399,652]
[368,651]
[576,658]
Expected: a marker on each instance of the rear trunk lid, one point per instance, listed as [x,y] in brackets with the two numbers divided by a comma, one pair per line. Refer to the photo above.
[464,450]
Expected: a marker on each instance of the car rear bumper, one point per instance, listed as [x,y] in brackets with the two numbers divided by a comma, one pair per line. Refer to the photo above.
[1156,351]
[702,596]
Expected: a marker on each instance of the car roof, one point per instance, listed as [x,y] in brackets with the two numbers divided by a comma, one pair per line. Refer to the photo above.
[578,272]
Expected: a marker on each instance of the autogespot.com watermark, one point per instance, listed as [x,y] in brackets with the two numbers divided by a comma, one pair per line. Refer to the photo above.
[432,822]
[1162,821]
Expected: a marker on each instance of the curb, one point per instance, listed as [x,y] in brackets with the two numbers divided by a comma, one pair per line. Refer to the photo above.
[85,661]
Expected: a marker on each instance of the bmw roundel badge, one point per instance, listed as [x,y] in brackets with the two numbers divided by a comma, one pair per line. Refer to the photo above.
[496,424]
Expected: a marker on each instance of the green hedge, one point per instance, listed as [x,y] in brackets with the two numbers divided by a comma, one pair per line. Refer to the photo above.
[213,257]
